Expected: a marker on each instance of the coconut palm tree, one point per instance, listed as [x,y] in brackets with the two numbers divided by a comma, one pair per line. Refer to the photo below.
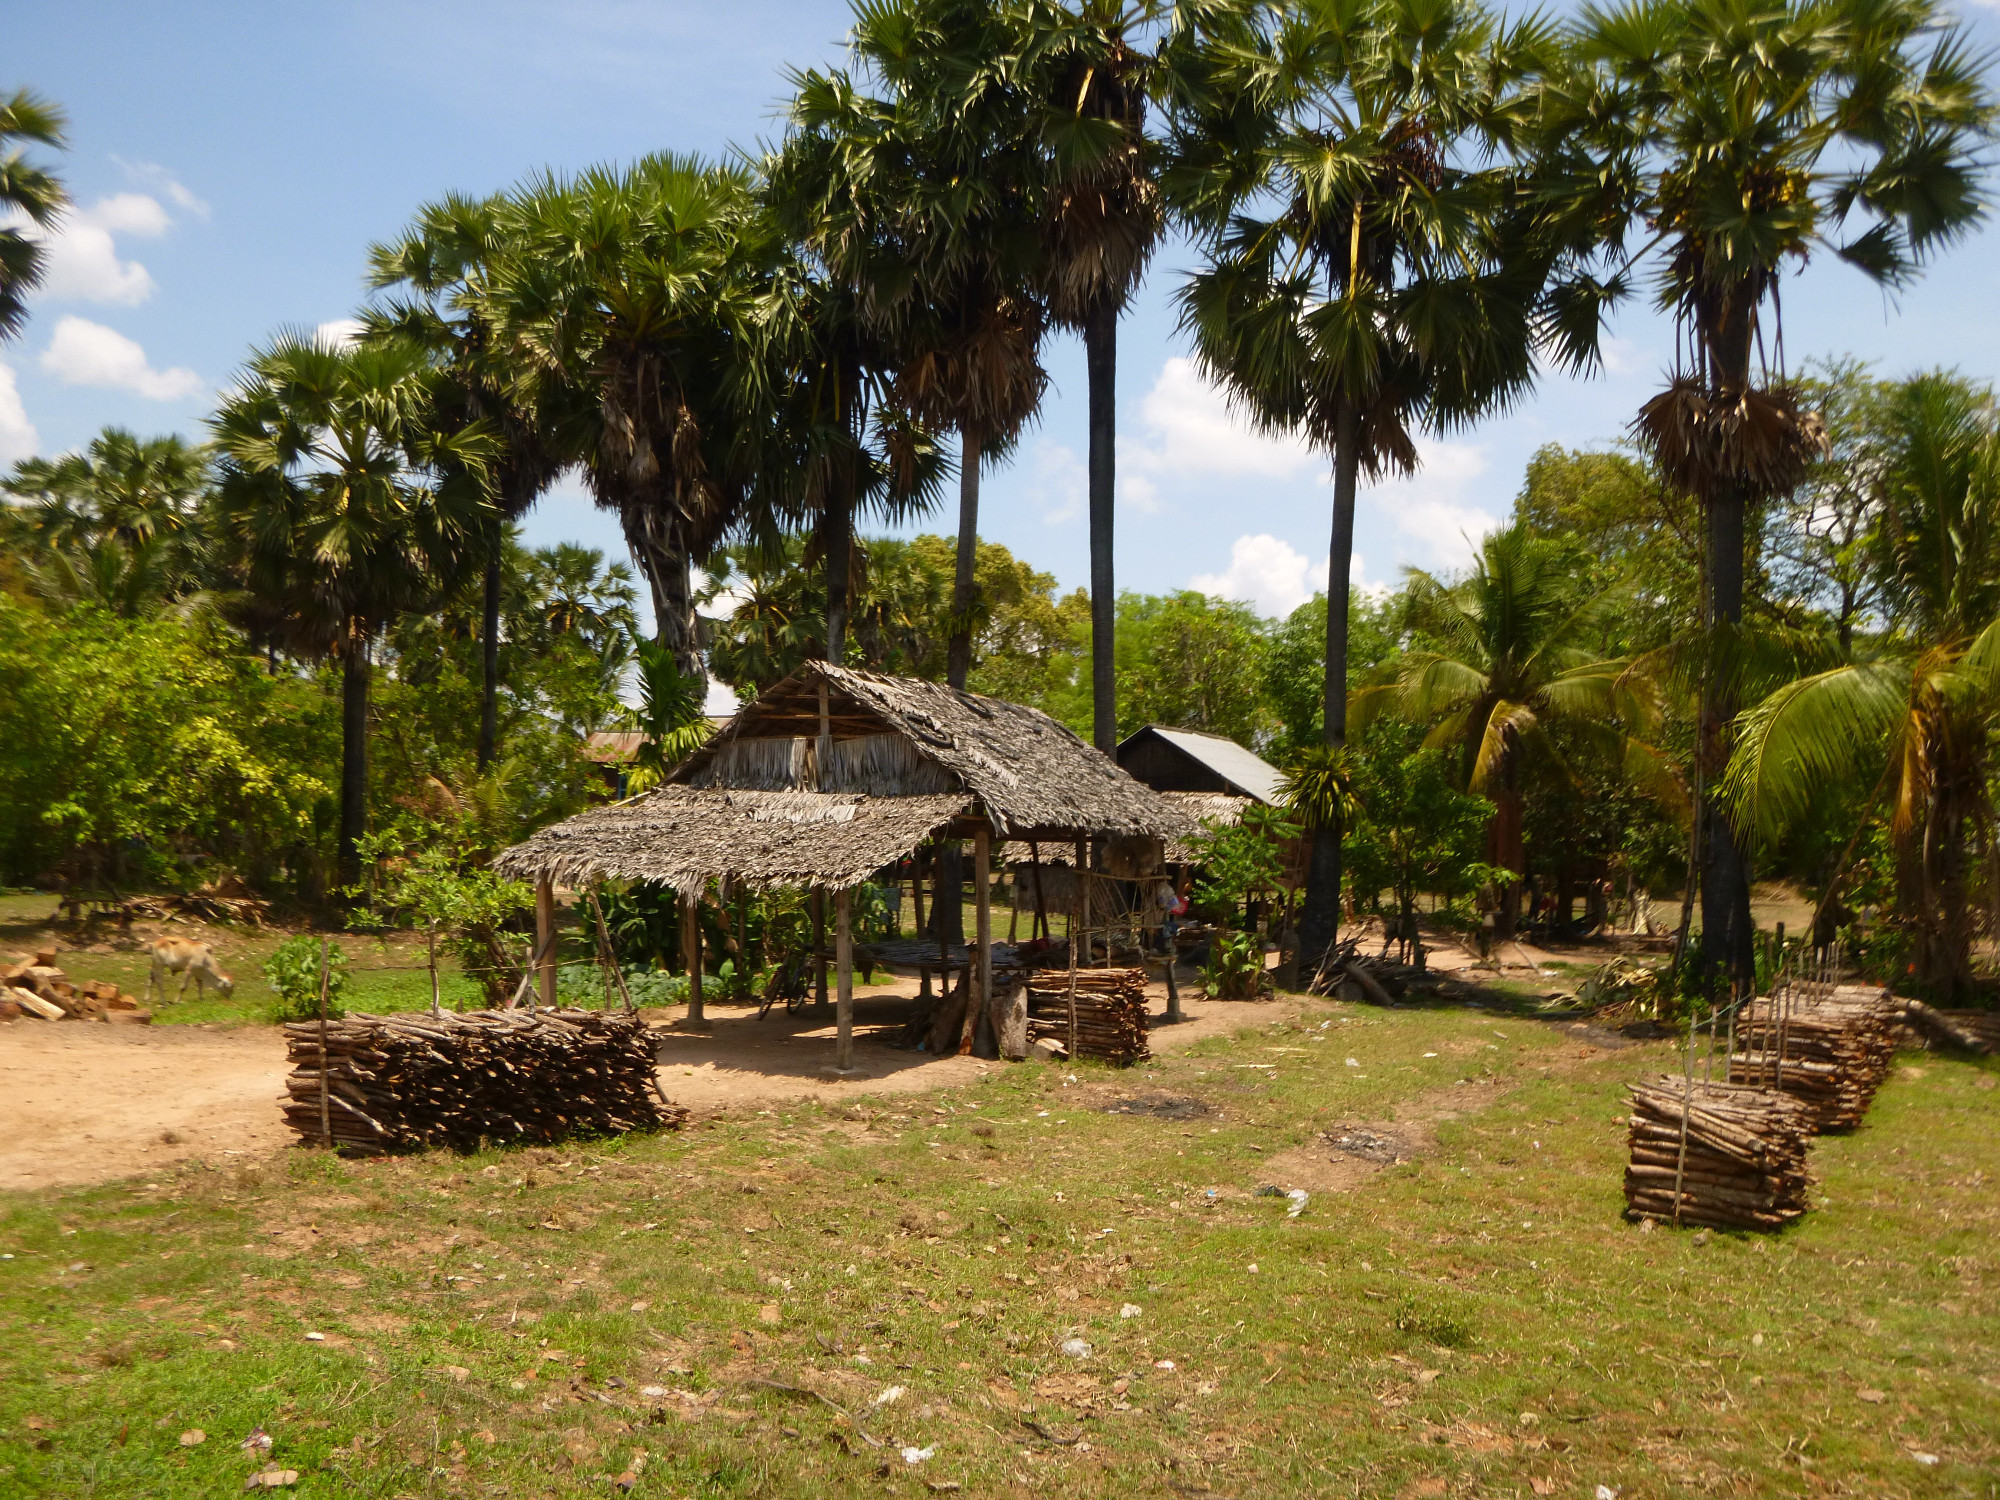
[438,274]
[341,506]
[928,211]
[1504,657]
[29,190]
[1913,714]
[1367,271]
[623,305]
[1726,139]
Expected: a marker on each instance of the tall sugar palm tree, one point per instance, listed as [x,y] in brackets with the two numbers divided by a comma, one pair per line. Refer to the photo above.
[1914,713]
[1504,656]
[343,505]
[1367,269]
[928,212]
[624,302]
[438,274]
[29,190]
[1727,139]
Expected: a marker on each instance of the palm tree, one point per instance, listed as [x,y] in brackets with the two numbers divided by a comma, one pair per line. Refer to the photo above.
[1914,714]
[1737,135]
[1364,274]
[440,271]
[341,506]
[927,212]
[122,522]
[624,304]
[30,191]
[1503,656]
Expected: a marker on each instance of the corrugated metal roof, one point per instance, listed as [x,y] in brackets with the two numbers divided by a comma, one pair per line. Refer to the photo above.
[1243,769]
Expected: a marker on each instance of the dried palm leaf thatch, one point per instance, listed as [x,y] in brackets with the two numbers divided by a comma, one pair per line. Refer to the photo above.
[1201,810]
[682,836]
[1032,776]
[1707,442]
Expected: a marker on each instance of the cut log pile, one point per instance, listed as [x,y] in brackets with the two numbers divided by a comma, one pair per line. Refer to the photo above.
[1744,1163]
[407,1082]
[1110,1019]
[1830,1046]
[36,988]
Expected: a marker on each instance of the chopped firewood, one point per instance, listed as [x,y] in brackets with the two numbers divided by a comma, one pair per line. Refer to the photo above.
[408,1082]
[1107,1019]
[34,1005]
[1725,1156]
[1830,1046]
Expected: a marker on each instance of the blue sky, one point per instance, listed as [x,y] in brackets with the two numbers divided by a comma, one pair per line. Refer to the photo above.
[232,162]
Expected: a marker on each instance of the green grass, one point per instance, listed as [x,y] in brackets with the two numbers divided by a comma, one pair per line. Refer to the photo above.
[1479,1320]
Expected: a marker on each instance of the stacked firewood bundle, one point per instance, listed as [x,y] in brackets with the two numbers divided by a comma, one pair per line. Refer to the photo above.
[35,987]
[1109,1020]
[1830,1046]
[1738,1162]
[407,1082]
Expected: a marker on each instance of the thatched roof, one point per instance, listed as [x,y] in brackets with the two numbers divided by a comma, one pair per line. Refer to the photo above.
[897,735]
[682,836]
[1215,809]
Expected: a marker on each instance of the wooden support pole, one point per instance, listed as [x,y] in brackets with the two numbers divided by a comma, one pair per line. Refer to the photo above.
[818,904]
[433,936]
[843,954]
[982,907]
[325,1063]
[545,938]
[691,952]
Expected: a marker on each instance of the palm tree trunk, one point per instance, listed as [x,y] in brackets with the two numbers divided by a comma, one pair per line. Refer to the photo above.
[664,564]
[1100,353]
[1319,917]
[964,587]
[489,662]
[1505,847]
[354,670]
[837,549]
[1728,941]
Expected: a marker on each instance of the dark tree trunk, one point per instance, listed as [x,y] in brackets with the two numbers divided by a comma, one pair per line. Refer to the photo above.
[837,545]
[663,562]
[354,670]
[948,894]
[964,586]
[1100,350]
[1728,940]
[1505,848]
[1319,917]
[489,661]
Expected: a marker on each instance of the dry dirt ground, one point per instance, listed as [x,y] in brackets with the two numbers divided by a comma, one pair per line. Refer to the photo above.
[85,1104]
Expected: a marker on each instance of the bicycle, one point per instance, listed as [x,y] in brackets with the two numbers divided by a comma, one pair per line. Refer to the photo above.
[788,982]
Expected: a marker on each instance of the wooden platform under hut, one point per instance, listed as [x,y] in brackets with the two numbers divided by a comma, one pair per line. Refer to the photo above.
[1829,1046]
[1717,1155]
[832,776]
[407,1082]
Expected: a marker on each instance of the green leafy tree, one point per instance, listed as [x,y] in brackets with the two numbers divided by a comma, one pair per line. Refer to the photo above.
[1414,828]
[30,191]
[1728,138]
[1192,662]
[342,506]
[294,971]
[1345,165]
[1294,663]
[1913,714]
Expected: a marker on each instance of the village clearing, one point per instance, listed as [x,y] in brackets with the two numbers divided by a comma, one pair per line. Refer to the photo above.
[1036,1279]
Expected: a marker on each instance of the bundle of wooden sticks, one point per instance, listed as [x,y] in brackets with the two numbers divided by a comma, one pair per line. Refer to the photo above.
[1109,1019]
[1830,1046]
[406,1082]
[1719,1155]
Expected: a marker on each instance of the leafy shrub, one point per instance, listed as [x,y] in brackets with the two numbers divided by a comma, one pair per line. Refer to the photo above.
[293,971]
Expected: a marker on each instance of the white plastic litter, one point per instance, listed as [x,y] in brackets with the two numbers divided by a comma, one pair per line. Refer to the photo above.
[1129,1310]
[917,1455]
[1299,1198]
[1076,1348]
[893,1393]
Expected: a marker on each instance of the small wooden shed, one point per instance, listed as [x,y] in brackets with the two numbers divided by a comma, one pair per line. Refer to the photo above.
[829,776]
[1208,777]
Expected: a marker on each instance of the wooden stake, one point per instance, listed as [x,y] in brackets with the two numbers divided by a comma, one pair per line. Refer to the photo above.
[433,936]
[325,1065]
[545,938]
[843,953]
[691,953]
[610,957]
[982,906]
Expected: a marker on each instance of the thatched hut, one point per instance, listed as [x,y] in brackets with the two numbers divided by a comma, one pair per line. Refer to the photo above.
[833,774]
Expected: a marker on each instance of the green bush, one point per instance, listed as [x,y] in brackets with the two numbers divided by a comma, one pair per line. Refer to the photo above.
[293,971]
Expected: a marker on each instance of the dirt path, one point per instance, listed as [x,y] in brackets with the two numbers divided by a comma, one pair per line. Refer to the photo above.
[82,1103]
[85,1104]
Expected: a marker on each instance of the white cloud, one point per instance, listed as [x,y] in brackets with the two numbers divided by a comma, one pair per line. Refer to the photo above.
[1431,507]
[1062,483]
[1189,427]
[87,353]
[18,438]
[339,332]
[153,175]
[82,259]
[1269,574]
